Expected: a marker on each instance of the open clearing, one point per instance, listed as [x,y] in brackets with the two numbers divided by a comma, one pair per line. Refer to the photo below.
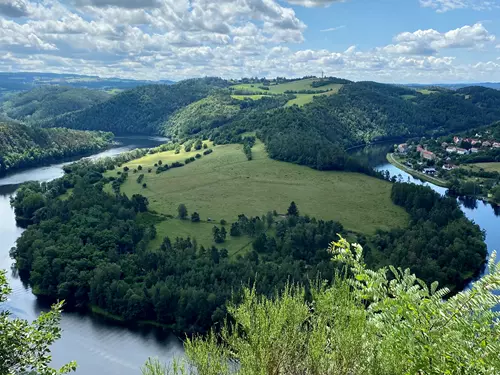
[304,84]
[224,184]
[489,167]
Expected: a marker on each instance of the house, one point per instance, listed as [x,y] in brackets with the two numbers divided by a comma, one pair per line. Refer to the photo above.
[420,148]
[496,145]
[448,167]
[427,155]
[451,149]
[475,142]
[487,144]
[457,140]
[474,150]
[462,151]
[430,171]
[403,148]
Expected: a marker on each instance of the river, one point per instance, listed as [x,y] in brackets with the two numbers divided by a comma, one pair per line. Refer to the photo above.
[486,215]
[98,346]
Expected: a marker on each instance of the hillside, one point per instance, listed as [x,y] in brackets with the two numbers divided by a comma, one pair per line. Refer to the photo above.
[227,185]
[331,115]
[46,102]
[22,146]
[141,110]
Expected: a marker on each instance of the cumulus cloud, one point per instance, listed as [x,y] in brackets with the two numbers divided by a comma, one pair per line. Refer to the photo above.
[13,8]
[430,42]
[131,4]
[443,6]
[315,3]
[176,39]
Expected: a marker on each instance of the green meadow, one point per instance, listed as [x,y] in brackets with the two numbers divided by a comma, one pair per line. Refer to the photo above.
[224,184]
[303,84]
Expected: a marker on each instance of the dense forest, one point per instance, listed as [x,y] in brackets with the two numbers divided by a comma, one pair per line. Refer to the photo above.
[91,249]
[24,146]
[46,102]
[316,134]
[141,110]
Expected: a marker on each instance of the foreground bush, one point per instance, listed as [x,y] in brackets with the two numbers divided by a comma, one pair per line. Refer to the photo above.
[368,322]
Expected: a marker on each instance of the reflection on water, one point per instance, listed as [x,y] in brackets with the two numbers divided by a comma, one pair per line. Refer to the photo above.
[486,215]
[98,346]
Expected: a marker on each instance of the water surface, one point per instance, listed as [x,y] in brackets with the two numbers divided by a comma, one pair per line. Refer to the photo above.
[98,346]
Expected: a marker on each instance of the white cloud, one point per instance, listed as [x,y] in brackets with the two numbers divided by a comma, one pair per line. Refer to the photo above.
[315,3]
[443,6]
[132,4]
[176,39]
[430,42]
[332,29]
[13,8]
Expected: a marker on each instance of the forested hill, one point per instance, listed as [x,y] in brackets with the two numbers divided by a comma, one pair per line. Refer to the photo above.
[23,146]
[141,110]
[46,102]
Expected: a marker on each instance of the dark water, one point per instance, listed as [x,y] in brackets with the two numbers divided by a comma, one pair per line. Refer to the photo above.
[486,215]
[98,346]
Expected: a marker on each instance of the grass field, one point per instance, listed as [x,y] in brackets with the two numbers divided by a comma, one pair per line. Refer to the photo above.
[224,184]
[253,97]
[304,84]
[489,167]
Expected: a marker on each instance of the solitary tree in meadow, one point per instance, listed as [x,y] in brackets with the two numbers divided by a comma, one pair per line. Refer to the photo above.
[293,210]
[182,210]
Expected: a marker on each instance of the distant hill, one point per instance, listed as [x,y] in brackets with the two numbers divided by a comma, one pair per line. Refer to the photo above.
[456,86]
[310,121]
[141,110]
[46,102]
[24,81]
[24,146]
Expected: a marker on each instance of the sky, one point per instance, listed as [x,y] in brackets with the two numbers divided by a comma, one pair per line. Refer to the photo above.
[393,41]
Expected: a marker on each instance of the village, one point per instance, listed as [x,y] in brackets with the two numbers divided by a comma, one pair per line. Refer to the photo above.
[433,157]
[466,165]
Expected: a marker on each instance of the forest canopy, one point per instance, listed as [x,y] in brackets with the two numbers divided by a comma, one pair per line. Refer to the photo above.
[92,249]
[23,146]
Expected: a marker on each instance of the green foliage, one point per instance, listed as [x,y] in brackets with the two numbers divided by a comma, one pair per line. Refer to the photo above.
[141,110]
[182,211]
[205,114]
[46,102]
[195,217]
[292,210]
[367,323]
[24,346]
[440,243]
[22,146]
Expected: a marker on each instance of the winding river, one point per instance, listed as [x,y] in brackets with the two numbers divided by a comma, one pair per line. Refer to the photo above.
[486,215]
[98,346]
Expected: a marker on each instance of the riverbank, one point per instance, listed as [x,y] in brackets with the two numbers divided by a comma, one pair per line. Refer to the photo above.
[97,344]
[437,181]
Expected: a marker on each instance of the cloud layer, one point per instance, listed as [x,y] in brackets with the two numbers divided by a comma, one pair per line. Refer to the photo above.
[176,39]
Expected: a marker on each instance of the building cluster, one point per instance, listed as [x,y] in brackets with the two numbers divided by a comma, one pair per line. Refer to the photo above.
[477,145]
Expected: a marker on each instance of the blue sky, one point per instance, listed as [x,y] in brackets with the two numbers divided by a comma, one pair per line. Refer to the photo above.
[425,41]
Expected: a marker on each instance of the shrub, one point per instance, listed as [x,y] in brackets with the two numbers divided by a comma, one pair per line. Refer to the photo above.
[198,156]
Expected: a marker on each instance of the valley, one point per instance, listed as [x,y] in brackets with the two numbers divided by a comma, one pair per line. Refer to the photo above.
[224,184]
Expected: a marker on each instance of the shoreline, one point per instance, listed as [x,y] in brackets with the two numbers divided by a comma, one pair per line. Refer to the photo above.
[436,181]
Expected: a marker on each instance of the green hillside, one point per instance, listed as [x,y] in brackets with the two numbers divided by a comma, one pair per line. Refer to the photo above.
[23,146]
[140,110]
[303,89]
[204,114]
[224,184]
[46,102]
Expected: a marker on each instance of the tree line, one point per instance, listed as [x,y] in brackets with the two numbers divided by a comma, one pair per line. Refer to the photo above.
[91,249]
